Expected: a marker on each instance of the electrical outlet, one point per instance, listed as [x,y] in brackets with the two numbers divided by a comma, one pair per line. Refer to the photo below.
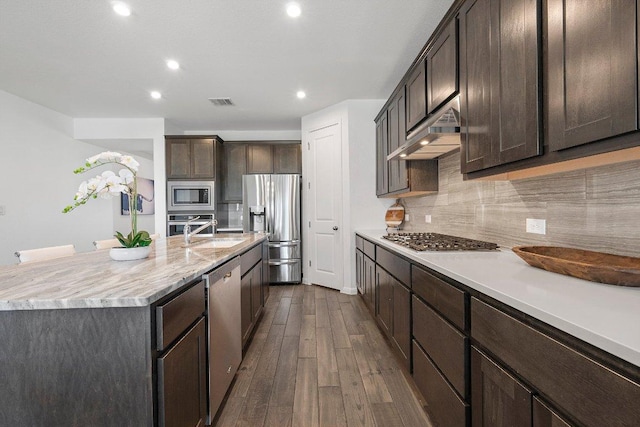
[427,219]
[2,211]
[406,217]
[536,226]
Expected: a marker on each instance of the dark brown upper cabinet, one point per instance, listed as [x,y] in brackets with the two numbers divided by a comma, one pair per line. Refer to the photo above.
[416,96]
[191,157]
[233,167]
[287,158]
[591,77]
[259,158]
[382,166]
[398,179]
[499,82]
[442,68]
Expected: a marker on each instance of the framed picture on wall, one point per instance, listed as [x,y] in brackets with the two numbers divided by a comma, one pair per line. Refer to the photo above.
[146,206]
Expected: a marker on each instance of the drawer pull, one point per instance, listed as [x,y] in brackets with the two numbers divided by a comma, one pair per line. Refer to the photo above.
[228,275]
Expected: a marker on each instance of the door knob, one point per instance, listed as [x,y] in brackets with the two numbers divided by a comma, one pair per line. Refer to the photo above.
[335,228]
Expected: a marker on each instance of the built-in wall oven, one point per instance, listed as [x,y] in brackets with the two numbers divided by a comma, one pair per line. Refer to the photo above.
[190,196]
[176,223]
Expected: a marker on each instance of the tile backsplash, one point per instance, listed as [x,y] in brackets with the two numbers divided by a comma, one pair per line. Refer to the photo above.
[595,209]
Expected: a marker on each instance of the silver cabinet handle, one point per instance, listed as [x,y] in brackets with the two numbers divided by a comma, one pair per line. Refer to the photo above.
[335,228]
[284,262]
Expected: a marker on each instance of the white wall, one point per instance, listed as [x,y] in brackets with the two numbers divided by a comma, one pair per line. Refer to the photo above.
[250,135]
[361,208]
[38,157]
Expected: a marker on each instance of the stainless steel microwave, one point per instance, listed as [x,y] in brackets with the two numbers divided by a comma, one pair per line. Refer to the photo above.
[190,196]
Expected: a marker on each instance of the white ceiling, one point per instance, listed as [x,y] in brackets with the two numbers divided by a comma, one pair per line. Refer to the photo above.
[81,59]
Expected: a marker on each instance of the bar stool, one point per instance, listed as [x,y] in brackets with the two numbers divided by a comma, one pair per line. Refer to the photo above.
[41,254]
[106,244]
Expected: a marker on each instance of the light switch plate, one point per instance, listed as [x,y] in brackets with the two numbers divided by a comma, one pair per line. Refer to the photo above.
[536,226]
[427,219]
[406,217]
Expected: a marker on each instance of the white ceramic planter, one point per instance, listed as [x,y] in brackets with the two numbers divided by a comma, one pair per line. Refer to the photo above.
[129,254]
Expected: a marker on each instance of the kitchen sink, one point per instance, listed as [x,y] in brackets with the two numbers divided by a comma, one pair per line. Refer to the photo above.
[216,243]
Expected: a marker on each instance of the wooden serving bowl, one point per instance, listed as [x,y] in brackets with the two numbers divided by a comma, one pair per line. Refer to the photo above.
[589,265]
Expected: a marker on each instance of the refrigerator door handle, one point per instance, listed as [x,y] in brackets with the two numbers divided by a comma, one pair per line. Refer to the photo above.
[284,261]
[284,244]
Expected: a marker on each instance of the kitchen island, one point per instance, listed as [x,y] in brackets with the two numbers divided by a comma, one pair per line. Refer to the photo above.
[486,336]
[81,339]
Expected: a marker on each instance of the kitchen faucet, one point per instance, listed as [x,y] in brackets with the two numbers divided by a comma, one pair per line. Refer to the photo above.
[187,228]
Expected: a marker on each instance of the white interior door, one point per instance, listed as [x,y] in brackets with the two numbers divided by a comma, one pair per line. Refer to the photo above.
[325,195]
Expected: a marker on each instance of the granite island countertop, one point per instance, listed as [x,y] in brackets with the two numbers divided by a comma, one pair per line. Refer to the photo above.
[605,316]
[94,280]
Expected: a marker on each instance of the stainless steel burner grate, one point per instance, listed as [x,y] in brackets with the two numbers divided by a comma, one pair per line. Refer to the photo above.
[438,242]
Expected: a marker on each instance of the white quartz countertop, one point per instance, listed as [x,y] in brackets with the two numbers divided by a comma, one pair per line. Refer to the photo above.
[605,316]
[94,280]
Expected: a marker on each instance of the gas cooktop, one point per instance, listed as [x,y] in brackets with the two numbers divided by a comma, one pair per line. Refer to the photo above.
[438,242]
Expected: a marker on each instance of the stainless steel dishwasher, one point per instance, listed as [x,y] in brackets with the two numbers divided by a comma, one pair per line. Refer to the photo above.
[224,334]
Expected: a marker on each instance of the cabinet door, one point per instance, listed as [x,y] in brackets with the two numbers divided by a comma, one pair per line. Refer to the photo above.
[416,97]
[442,68]
[287,158]
[398,178]
[234,166]
[543,416]
[370,284]
[256,292]
[203,161]
[182,379]
[245,306]
[360,271]
[592,89]
[178,158]
[382,166]
[259,158]
[402,321]
[497,399]
[499,97]
[384,291]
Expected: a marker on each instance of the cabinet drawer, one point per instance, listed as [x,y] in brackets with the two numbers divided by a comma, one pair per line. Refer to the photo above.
[442,403]
[445,298]
[395,265]
[369,249]
[176,315]
[565,376]
[445,345]
[250,258]
[359,243]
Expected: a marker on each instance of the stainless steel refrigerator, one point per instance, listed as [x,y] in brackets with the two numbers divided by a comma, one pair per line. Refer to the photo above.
[271,205]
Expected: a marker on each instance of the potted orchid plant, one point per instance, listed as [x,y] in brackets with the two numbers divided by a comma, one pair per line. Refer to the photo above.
[108,185]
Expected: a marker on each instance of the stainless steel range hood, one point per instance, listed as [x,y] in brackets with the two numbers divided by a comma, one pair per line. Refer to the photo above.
[438,135]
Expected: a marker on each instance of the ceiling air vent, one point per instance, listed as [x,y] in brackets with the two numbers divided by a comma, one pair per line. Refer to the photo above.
[221,102]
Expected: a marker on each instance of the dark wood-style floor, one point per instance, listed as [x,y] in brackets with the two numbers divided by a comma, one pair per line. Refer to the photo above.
[318,359]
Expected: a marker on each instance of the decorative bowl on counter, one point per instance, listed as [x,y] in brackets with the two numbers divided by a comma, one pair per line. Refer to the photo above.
[588,265]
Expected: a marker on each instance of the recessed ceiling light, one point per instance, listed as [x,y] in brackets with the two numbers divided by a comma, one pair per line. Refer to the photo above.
[121,8]
[174,65]
[293,10]
[156,95]
[300,94]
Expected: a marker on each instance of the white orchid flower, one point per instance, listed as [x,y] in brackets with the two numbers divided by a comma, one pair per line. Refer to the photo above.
[129,162]
[126,175]
[106,156]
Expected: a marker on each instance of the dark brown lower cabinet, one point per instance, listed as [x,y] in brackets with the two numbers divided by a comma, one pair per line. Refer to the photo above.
[384,293]
[444,406]
[543,416]
[401,329]
[182,379]
[369,277]
[497,398]
[251,295]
